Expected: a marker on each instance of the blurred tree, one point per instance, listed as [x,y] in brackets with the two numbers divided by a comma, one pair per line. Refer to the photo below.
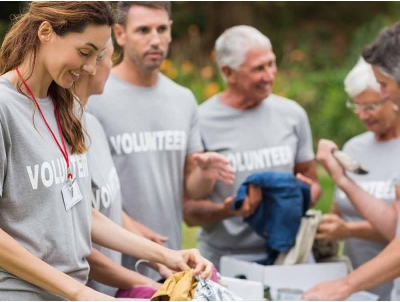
[316,44]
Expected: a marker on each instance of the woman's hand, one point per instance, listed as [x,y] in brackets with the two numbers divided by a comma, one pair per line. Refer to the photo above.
[328,161]
[185,259]
[332,227]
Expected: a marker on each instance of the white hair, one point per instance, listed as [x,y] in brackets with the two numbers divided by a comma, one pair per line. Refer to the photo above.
[360,78]
[234,43]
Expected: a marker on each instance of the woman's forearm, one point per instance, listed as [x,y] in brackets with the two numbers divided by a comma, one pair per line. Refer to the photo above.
[364,230]
[381,215]
[18,261]
[106,271]
[108,234]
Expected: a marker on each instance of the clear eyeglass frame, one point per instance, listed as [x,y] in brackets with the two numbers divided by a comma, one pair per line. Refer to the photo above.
[369,107]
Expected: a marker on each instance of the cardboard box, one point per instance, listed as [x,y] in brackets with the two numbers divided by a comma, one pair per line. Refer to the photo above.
[300,276]
[245,289]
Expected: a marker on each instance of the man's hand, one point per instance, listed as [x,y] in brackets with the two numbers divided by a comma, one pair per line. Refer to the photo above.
[327,160]
[250,204]
[215,166]
[140,229]
[337,290]
[332,227]
[315,188]
[153,236]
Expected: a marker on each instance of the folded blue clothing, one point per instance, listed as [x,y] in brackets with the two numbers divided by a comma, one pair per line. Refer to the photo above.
[284,202]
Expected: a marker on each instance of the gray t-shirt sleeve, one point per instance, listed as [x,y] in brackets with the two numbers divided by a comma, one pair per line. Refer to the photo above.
[194,143]
[305,150]
[3,158]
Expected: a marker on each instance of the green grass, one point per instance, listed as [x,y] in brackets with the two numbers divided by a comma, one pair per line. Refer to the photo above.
[189,239]
[325,202]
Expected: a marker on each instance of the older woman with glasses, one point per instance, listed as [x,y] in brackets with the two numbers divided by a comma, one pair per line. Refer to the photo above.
[378,150]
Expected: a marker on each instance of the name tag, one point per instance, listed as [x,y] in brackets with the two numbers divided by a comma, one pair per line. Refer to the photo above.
[71,195]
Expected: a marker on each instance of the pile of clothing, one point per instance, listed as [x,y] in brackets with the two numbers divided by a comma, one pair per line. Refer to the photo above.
[184,286]
[285,201]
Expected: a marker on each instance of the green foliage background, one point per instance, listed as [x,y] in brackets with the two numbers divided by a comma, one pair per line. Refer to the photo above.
[316,44]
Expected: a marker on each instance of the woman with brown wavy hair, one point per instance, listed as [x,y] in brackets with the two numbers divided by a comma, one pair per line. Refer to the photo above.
[46,220]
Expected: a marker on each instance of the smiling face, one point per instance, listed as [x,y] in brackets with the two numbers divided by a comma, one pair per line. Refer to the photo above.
[91,84]
[146,37]
[67,57]
[255,77]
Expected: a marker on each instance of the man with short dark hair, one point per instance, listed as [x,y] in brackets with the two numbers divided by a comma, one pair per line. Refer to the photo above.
[384,56]
[152,129]
[124,7]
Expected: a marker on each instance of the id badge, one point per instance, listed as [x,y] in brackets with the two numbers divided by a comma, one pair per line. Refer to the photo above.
[71,195]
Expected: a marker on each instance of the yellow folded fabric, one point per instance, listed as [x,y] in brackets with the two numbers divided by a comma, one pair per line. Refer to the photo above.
[179,287]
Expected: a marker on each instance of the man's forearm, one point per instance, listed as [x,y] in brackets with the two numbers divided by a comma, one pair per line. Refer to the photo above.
[382,215]
[197,186]
[204,212]
[381,269]
[106,271]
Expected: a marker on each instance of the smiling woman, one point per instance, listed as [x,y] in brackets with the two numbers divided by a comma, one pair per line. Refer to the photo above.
[45,214]
[46,221]
[58,36]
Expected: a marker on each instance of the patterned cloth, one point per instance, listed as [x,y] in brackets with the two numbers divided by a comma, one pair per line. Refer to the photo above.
[208,290]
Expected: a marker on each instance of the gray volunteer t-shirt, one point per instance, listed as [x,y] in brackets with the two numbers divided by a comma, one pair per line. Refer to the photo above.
[33,172]
[150,131]
[106,189]
[381,159]
[274,136]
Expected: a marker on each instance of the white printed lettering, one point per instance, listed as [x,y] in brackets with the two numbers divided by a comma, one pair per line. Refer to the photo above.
[260,159]
[116,143]
[146,141]
[127,143]
[47,182]
[54,172]
[34,178]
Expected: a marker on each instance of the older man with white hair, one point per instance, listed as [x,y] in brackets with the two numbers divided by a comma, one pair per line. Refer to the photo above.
[257,131]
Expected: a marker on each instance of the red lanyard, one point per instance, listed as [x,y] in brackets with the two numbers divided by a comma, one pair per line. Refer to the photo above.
[63,149]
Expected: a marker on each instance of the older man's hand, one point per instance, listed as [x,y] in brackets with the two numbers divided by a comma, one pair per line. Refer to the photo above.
[215,166]
[250,204]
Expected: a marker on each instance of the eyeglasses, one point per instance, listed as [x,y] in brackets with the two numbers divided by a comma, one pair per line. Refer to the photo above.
[369,107]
